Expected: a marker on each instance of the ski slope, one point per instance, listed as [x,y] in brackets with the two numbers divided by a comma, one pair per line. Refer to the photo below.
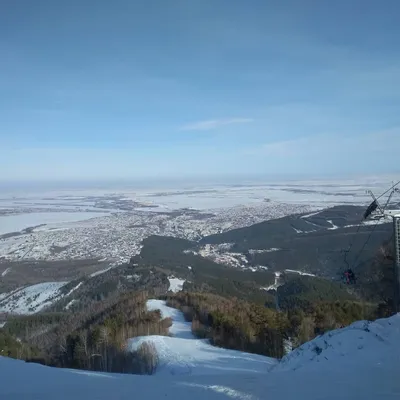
[342,370]
[183,354]
[365,342]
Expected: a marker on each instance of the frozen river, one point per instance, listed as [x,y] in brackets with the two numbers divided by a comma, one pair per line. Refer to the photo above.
[18,222]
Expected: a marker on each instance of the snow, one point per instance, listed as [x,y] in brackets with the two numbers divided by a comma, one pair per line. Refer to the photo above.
[31,299]
[68,306]
[371,222]
[333,225]
[180,328]
[275,285]
[272,249]
[368,382]
[369,343]
[100,272]
[311,214]
[18,222]
[136,277]
[298,272]
[4,295]
[6,271]
[218,254]
[357,362]
[183,354]
[74,288]
[116,233]
[175,284]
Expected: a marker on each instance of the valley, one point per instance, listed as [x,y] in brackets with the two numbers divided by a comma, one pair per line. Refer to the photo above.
[151,287]
[245,240]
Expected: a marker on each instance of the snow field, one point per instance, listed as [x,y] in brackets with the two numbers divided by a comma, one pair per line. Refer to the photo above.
[342,370]
[369,343]
[18,222]
[175,284]
[31,299]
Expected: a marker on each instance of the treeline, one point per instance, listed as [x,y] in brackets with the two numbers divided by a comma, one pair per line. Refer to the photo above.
[376,276]
[98,341]
[110,285]
[97,338]
[232,323]
[325,316]
[244,326]
[303,292]
[11,347]
[173,256]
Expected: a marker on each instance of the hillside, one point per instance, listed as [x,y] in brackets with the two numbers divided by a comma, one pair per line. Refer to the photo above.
[184,354]
[309,242]
[367,352]
[305,291]
[244,263]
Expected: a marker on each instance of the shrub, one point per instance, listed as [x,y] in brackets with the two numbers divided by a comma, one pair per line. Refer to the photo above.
[147,358]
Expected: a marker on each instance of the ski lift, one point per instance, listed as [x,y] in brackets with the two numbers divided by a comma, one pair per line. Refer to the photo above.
[348,277]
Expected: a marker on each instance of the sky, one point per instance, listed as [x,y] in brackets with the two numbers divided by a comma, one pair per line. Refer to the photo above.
[198,88]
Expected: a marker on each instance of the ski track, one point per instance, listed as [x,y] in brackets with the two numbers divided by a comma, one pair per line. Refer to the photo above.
[184,354]
[367,352]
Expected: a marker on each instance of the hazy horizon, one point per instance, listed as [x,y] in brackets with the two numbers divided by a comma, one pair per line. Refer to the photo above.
[187,183]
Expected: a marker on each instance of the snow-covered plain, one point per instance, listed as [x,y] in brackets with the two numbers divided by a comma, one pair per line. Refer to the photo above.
[18,222]
[77,231]
[357,362]
[31,299]
[118,236]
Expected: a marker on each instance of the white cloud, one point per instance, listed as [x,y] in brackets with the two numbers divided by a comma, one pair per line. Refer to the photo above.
[325,145]
[214,124]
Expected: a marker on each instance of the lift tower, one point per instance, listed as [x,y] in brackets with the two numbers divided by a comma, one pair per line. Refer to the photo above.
[382,212]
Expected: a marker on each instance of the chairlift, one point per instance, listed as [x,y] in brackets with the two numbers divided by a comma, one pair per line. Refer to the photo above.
[349,277]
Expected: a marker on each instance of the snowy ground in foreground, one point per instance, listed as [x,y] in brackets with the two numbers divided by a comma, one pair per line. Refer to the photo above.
[343,370]
[183,354]
[368,343]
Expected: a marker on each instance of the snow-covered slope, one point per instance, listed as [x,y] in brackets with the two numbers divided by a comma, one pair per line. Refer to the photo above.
[351,372]
[32,298]
[363,342]
[184,354]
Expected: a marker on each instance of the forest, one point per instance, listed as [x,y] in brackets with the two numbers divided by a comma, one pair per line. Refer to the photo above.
[223,305]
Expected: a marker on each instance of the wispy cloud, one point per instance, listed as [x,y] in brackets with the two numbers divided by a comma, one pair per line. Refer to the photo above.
[214,124]
[317,145]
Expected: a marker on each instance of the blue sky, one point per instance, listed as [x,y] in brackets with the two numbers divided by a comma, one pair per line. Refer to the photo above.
[190,88]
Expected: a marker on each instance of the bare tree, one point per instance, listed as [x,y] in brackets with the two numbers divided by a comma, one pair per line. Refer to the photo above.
[148,358]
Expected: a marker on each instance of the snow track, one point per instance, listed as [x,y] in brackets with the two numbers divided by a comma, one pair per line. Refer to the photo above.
[183,354]
[358,362]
